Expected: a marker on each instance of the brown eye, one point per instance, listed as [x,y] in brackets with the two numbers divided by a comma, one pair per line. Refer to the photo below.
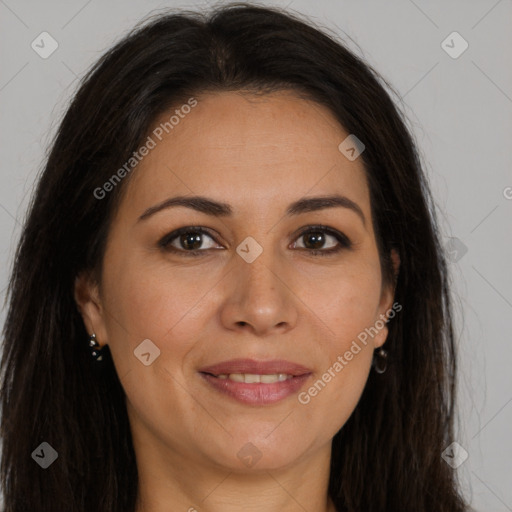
[187,240]
[316,237]
[190,241]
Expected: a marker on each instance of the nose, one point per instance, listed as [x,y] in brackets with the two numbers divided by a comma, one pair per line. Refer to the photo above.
[259,298]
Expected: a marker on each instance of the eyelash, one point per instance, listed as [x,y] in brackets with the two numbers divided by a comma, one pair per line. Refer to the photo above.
[343,240]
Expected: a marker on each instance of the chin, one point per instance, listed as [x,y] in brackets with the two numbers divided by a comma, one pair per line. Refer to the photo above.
[252,454]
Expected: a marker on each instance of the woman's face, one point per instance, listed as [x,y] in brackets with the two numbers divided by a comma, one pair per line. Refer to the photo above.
[253,291]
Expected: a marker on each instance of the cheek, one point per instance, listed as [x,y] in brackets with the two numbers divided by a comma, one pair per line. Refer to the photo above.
[334,395]
[160,304]
[152,294]
[348,300]
[348,305]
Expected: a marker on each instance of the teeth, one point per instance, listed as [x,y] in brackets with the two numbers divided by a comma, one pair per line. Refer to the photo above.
[251,378]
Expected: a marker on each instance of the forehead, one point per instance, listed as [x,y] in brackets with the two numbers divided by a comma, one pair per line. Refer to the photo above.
[254,150]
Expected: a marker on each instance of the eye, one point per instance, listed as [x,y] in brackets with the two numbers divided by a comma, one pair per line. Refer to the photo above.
[188,241]
[316,236]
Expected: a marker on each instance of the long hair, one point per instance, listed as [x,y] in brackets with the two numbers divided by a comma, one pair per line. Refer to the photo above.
[387,457]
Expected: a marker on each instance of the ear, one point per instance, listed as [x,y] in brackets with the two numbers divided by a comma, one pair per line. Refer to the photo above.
[386,300]
[87,298]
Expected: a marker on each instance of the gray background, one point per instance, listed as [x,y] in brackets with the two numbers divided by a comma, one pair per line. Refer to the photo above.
[460,110]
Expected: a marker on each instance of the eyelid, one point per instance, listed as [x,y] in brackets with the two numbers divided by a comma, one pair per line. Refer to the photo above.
[339,235]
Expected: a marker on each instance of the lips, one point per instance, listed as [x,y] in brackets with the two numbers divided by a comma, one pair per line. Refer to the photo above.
[256,382]
[251,366]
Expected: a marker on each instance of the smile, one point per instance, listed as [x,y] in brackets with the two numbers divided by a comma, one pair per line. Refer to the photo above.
[255,389]
[251,378]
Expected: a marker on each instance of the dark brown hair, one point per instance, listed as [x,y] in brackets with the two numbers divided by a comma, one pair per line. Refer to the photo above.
[387,457]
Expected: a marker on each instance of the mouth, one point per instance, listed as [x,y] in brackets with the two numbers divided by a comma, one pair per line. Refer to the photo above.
[256,382]
[252,378]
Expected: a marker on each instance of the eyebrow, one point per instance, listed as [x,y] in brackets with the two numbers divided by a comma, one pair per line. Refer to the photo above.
[218,209]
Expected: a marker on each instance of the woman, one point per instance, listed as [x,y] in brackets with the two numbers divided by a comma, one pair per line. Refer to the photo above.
[229,291]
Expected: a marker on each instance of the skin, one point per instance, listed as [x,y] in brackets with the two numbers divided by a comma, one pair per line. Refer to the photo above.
[259,154]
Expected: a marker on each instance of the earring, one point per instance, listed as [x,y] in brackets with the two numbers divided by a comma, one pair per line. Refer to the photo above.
[379,362]
[94,347]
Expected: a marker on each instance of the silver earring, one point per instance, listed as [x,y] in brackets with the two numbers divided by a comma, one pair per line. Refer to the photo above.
[380,362]
[94,347]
